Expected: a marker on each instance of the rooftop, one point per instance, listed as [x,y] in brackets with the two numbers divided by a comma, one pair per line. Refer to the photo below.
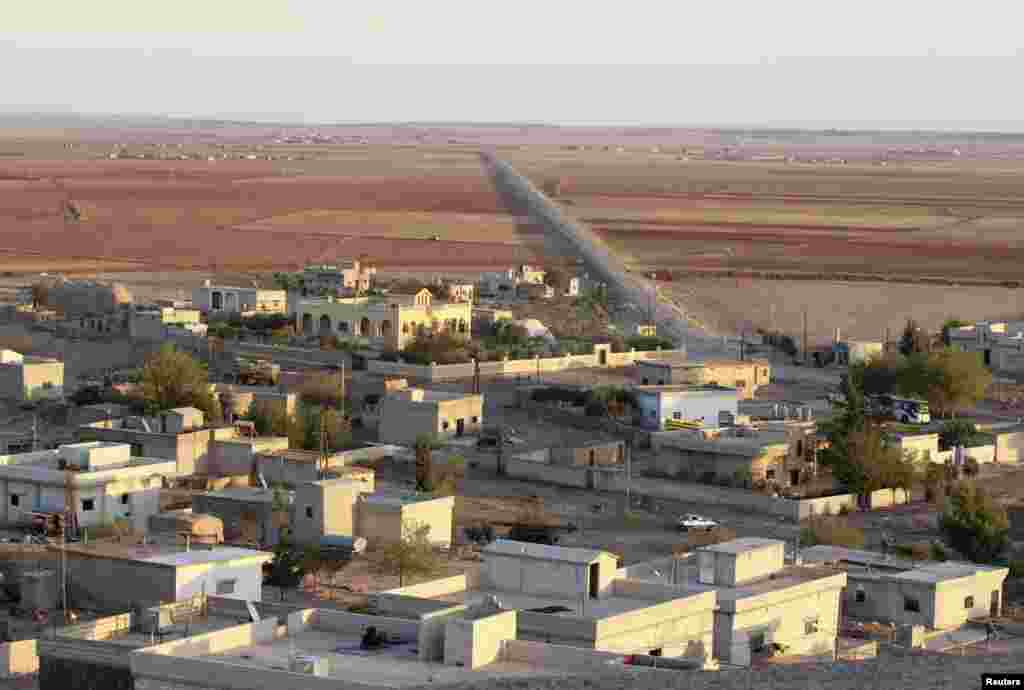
[684,388]
[543,552]
[882,565]
[244,493]
[742,545]
[165,554]
[571,607]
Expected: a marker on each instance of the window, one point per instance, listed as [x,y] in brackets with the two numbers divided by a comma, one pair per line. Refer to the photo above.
[15,499]
[770,474]
[810,626]
[969,603]
[646,381]
[136,450]
[764,372]
[126,499]
[911,604]
[309,512]
[677,415]
[444,426]
[226,586]
[88,504]
[476,420]
[860,596]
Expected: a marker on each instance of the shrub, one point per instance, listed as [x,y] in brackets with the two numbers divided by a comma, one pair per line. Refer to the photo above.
[649,342]
[742,478]
[916,552]
[832,531]
[974,524]
[596,408]
[1017,567]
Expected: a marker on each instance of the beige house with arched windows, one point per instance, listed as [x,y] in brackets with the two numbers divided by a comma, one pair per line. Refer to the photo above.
[391,321]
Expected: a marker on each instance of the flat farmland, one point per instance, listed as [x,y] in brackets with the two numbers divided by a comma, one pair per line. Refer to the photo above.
[385,202]
[952,219]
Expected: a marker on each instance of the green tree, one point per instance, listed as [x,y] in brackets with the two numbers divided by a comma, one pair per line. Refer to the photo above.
[286,571]
[956,432]
[847,418]
[171,378]
[411,556]
[913,339]
[974,524]
[948,326]
[960,380]
[269,418]
[304,430]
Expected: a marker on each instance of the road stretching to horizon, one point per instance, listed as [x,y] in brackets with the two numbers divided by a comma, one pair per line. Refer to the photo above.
[571,237]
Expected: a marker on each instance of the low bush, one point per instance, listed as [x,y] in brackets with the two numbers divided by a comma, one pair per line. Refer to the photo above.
[833,531]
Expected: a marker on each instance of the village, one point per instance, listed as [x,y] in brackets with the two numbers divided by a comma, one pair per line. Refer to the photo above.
[339,479]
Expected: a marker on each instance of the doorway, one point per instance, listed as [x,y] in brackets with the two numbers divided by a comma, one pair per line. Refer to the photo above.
[460,427]
[602,357]
[594,571]
[994,606]
[794,477]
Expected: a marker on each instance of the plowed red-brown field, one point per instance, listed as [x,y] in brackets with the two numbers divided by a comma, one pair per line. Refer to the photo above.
[252,213]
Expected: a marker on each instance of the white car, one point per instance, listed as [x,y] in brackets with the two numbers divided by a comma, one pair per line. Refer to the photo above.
[691,521]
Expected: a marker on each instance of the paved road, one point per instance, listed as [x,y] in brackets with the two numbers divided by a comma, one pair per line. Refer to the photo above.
[577,239]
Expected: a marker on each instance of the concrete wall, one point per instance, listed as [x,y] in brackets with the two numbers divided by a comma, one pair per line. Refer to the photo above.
[1009,446]
[679,627]
[951,598]
[232,457]
[403,421]
[514,367]
[538,577]
[324,508]
[19,658]
[441,587]
[476,643]
[560,657]
[826,505]
[247,577]
[885,600]
[42,380]
[99,629]
[783,622]
[438,514]
[884,498]
[353,624]
[138,583]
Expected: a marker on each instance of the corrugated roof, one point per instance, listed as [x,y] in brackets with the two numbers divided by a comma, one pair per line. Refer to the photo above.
[507,547]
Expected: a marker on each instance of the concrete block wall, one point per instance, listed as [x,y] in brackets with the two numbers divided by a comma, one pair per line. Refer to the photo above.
[99,629]
[469,580]
[561,657]
[219,641]
[826,505]
[355,623]
[19,658]
[475,643]
[883,498]
[432,639]
[681,626]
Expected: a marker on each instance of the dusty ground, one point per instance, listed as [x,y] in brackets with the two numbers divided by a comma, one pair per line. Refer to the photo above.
[859,310]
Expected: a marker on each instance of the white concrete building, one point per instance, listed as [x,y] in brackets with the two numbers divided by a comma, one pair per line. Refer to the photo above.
[222,299]
[105,482]
[158,324]
[24,377]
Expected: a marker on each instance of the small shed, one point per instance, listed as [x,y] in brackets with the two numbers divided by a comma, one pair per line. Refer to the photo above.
[548,571]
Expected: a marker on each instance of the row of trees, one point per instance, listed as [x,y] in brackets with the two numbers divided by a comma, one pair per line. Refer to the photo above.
[949,379]
[860,457]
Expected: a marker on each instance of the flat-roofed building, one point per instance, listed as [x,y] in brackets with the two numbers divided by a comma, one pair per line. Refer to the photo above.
[762,602]
[105,482]
[27,378]
[225,299]
[937,595]
[746,376]
[407,414]
[660,407]
[391,321]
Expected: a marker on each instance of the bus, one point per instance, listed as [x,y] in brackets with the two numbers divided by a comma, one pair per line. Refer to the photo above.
[906,410]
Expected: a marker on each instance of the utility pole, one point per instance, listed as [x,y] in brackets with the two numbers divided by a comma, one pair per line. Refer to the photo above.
[324,454]
[805,335]
[629,474]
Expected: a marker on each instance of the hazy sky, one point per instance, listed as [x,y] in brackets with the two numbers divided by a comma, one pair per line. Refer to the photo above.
[644,62]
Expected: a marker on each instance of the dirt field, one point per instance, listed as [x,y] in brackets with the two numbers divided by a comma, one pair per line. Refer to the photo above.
[859,310]
[693,201]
